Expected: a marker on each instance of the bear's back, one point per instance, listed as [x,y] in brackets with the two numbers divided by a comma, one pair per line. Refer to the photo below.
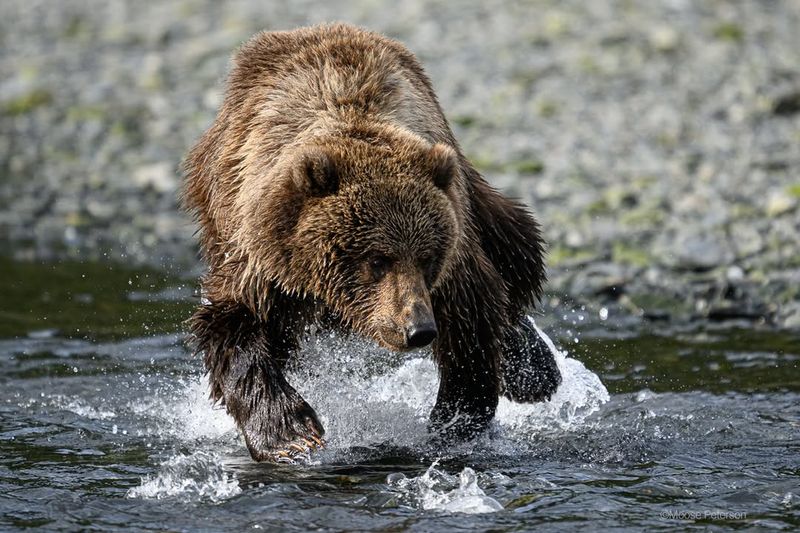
[310,81]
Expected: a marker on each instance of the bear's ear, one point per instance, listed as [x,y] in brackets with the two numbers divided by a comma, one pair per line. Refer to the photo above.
[443,164]
[315,173]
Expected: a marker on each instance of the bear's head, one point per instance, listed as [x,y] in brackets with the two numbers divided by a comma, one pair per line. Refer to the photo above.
[366,228]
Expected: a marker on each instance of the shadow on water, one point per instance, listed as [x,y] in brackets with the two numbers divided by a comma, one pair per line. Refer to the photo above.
[105,424]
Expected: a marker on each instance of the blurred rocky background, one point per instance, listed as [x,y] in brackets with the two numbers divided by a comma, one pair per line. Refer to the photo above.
[657,141]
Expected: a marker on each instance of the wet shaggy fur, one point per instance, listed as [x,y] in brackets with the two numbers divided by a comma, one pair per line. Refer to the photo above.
[330,190]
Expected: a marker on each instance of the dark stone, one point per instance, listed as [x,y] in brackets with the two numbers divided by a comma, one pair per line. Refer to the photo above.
[787,104]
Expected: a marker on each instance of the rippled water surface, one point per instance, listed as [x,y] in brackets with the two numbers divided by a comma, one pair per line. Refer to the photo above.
[688,427]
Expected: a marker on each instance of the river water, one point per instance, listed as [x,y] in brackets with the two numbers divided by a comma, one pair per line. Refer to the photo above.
[688,427]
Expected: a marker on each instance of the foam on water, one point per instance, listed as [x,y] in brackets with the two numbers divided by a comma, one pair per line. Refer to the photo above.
[195,477]
[438,490]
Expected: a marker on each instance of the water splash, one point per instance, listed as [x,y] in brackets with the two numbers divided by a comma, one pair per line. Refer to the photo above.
[82,408]
[366,395]
[438,490]
[195,477]
[581,393]
[183,410]
[363,394]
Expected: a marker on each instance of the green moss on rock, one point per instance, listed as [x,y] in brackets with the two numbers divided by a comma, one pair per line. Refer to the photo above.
[630,255]
[27,102]
[729,31]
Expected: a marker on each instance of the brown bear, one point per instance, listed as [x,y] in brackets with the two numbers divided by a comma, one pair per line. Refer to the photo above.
[330,190]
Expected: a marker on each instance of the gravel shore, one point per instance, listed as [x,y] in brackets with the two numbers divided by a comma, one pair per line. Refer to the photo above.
[657,141]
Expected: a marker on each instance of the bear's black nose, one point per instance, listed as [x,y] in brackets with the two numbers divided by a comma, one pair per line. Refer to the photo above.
[420,335]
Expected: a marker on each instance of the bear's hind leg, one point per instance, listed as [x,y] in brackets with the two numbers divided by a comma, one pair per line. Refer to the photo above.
[244,357]
[528,367]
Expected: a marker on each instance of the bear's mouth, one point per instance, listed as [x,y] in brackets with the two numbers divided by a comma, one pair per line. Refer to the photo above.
[397,341]
[392,340]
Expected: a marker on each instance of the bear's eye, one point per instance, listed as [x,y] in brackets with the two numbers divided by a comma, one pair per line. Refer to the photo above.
[430,266]
[379,264]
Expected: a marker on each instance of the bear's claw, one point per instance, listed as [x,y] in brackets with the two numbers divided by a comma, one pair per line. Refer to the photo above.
[298,451]
[315,440]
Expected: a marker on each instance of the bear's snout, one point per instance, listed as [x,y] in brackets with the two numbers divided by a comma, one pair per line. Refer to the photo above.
[421,328]
[420,335]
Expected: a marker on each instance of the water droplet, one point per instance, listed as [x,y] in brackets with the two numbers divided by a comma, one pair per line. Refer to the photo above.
[603,313]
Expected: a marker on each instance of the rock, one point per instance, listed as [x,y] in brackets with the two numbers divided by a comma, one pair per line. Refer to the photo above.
[738,311]
[734,274]
[600,279]
[790,315]
[158,176]
[787,103]
[695,251]
[746,238]
[664,38]
[780,202]
[100,210]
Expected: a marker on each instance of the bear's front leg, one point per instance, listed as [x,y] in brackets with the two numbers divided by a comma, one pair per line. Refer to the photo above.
[244,357]
[528,368]
[468,385]
[465,405]
[276,422]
